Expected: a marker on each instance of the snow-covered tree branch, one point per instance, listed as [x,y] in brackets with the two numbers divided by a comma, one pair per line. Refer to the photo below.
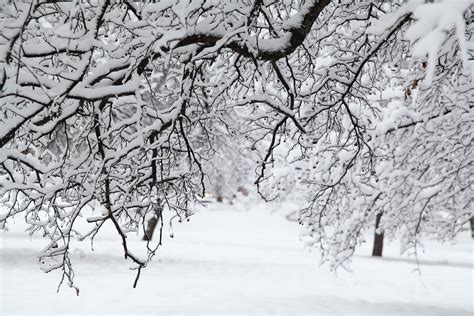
[356,108]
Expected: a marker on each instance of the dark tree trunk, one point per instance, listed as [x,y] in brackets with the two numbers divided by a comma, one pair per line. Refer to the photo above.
[151,225]
[472,226]
[378,238]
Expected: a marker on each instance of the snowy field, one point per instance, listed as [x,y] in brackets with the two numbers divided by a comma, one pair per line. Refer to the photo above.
[228,260]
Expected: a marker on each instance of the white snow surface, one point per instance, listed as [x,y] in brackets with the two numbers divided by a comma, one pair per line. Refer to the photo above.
[233,261]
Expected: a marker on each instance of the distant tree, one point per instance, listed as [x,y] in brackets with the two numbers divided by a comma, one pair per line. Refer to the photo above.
[472,226]
[377,249]
[123,104]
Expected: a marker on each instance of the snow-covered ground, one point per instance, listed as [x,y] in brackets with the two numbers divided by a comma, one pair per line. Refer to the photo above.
[227,260]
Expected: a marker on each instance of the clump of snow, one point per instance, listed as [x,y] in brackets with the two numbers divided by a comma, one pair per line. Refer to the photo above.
[433,23]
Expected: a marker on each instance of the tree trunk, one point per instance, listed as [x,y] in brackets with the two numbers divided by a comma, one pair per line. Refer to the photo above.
[378,238]
[151,225]
[472,226]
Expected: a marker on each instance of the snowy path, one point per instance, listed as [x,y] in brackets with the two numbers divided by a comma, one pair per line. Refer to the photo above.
[236,262]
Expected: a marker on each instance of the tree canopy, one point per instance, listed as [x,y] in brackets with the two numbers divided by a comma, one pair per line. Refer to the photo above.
[350,108]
